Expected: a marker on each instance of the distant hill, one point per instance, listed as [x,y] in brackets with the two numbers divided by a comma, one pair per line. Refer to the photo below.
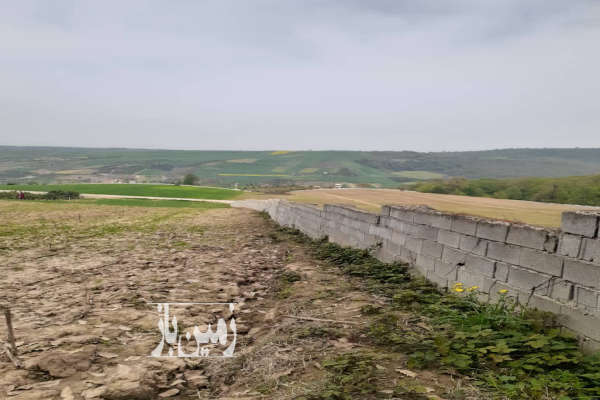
[583,190]
[325,168]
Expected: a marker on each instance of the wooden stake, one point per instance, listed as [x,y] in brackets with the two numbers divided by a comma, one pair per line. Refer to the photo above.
[11,347]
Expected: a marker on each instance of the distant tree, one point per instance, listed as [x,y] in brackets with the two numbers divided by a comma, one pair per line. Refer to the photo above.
[190,179]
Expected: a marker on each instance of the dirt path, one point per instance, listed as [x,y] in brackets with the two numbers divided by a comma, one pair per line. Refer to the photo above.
[79,279]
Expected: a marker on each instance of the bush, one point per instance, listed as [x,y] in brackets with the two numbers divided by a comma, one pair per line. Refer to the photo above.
[190,179]
[51,195]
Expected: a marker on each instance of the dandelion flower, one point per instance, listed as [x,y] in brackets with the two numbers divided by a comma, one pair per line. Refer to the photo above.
[459,289]
[502,291]
[473,288]
[457,284]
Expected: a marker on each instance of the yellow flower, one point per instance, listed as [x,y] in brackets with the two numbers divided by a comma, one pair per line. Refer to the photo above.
[502,291]
[459,289]
[457,284]
[473,288]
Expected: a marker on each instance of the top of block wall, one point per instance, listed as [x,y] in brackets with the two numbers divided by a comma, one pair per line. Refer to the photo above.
[489,229]
[351,212]
[584,223]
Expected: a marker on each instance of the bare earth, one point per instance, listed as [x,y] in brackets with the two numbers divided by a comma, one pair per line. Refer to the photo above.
[535,213]
[78,279]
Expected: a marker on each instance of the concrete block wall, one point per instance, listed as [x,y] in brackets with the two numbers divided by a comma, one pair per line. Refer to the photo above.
[551,270]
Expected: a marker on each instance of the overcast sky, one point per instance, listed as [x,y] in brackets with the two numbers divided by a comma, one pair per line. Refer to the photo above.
[424,75]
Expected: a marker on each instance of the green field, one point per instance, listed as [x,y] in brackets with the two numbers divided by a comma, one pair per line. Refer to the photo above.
[191,192]
[204,205]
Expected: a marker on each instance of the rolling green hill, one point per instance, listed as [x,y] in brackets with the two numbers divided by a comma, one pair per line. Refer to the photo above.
[226,168]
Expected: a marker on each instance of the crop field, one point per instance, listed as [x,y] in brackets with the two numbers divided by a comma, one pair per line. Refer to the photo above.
[192,192]
[544,214]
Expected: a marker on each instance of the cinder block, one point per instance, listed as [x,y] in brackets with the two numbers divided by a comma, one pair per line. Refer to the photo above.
[504,252]
[449,238]
[380,231]
[543,262]
[369,241]
[551,243]
[529,281]
[582,272]
[498,289]
[351,213]
[527,236]
[501,273]
[453,256]
[407,256]
[589,346]
[580,223]
[433,218]
[543,303]
[386,221]
[464,224]
[425,262]
[587,297]
[473,244]
[385,211]
[396,225]
[402,214]
[399,237]
[422,231]
[432,249]
[580,321]
[441,281]
[569,245]
[492,230]
[448,271]
[480,265]
[561,290]
[591,250]
[414,244]
[470,278]
[390,252]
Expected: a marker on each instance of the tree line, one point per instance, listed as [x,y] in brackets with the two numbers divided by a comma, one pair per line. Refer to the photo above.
[584,190]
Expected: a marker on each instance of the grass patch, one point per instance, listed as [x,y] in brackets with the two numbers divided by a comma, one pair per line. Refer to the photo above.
[193,192]
[349,376]
[284,283]
[512,352]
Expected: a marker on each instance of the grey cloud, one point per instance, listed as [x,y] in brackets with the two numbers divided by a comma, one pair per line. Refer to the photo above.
[423,75]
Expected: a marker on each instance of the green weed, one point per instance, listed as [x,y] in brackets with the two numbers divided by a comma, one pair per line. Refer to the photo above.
[513,352]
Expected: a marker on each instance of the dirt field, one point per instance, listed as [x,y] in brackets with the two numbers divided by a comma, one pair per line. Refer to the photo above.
[78,278]
[545,214]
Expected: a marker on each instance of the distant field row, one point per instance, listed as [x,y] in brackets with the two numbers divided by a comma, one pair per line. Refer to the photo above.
[192,192]
[202,205]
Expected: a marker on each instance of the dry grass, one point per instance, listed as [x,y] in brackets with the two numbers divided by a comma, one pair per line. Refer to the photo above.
[545,214]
